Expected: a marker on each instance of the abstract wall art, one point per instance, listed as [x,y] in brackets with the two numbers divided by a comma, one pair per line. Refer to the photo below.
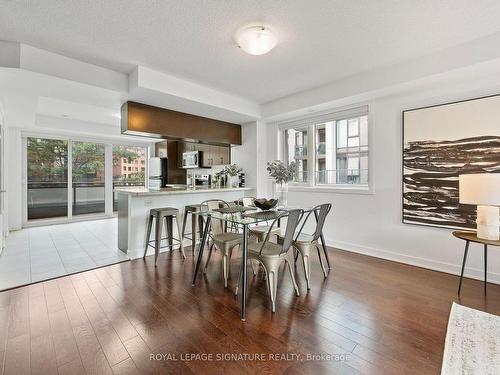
[439,143]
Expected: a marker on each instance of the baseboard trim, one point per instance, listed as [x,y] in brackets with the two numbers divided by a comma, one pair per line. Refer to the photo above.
[454,269]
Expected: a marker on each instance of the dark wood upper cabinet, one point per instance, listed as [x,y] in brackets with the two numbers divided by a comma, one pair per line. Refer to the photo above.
[211,154]
[150,121]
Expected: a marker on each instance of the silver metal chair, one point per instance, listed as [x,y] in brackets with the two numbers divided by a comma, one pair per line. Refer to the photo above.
[222,240]
[259,231]
[305,243]
[272,255]
[158,215]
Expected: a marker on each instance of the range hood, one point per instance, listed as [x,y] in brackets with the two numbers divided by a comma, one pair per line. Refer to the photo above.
[149,121]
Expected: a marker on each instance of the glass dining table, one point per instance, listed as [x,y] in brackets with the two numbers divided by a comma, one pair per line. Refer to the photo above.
[243,217]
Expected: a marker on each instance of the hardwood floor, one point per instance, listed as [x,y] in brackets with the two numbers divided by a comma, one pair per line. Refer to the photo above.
[384,317]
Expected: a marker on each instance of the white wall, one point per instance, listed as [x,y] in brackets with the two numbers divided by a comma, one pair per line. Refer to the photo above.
[3,198]
[13,152]
[371,224]
[245,154]
[252,156]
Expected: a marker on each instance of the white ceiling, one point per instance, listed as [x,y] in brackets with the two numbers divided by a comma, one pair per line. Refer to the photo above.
[320,40]
[85,112]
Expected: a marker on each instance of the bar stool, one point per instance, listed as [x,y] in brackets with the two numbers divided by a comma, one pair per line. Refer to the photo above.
[196,225]
[160,214]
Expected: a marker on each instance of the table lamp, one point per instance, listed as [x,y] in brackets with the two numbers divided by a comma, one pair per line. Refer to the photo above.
[483,190]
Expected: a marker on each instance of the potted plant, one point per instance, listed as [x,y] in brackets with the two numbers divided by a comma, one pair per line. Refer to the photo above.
[232,171]
[282,175]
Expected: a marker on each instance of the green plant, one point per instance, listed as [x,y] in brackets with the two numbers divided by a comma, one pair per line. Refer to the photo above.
[281,172]
[231,170]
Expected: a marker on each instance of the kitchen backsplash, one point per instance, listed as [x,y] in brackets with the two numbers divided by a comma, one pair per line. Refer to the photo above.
[204,171]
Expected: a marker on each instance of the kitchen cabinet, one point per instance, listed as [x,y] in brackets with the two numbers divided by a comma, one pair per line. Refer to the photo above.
[216,155]
[225,154]
[211,154]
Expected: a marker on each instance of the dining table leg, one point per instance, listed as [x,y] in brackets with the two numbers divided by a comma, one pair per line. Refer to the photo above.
[202,246]
[323,243]
[244,274]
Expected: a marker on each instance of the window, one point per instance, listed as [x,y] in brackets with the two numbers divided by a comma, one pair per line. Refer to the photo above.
[342,151]
[47,170]
[296,150]
[129,154]
[67,178]
[340,144]
[88,178]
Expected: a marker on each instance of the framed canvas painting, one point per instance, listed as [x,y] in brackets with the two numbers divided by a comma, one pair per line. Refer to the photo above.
[440,143]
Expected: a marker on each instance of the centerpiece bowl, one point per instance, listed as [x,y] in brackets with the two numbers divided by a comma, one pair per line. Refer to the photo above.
[265,204]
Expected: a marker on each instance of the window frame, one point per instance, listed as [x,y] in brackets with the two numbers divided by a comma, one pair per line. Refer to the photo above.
[70,138]
[310,122]
[309,146]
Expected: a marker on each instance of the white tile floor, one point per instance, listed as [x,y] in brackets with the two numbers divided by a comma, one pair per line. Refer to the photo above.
[40,253]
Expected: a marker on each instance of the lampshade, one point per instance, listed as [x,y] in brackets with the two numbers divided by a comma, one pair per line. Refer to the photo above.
[479,189]
[256,40]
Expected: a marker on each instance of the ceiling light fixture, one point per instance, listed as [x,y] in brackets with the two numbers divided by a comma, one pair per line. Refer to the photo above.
[256,40]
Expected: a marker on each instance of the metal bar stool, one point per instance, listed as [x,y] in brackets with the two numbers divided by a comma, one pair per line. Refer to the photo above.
[160,214]
[196,225]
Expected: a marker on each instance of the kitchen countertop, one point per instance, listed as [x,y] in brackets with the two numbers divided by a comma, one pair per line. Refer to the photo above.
[174,191]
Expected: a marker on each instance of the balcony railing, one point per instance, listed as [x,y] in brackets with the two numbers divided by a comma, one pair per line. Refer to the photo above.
[50,199]
[342,176]
[301,176]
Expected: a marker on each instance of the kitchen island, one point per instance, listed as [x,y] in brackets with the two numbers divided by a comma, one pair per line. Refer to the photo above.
[134,205]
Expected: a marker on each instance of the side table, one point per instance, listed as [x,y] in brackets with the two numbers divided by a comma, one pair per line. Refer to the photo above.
[469,237]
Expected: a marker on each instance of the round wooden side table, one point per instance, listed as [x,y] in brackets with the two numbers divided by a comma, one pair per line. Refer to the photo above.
[469,237]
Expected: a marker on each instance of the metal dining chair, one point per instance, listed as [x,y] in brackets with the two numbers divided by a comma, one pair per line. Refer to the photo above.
[271,255]
[226,242]
[305,243]
[259,231]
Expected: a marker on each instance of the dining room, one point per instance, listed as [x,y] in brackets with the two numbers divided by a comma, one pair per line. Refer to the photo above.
[249,187]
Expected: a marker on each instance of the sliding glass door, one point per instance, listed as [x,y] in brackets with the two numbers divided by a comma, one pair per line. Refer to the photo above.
[88,190]
[129,168]
[73,178]
[47,178]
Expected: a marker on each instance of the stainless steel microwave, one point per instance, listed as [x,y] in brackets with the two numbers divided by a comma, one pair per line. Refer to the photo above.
[191,159]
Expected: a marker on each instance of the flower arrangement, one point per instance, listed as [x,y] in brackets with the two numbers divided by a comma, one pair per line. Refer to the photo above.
[231,170]
[280,172]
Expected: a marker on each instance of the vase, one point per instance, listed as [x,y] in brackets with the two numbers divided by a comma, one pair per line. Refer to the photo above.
[234,181]
[281,194]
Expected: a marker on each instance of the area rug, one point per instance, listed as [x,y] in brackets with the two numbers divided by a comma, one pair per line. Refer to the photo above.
[472,343]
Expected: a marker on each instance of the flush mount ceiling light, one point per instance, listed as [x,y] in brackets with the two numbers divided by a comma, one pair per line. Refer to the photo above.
[256,40]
